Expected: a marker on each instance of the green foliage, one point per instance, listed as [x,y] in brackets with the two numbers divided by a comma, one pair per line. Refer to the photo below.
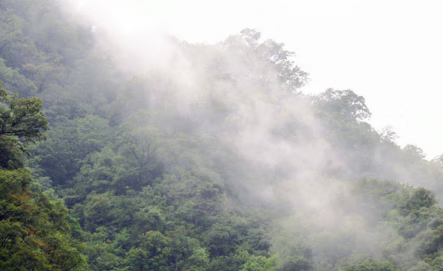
[248,44]
[61,155]
[21,122]
[34,232]
[21,117]
[97,211]
[259,263]
[153,180]
[291,250]
[372,265]
[345,104]
[420,198]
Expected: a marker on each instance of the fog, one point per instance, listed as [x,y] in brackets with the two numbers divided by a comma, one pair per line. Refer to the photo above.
[294,165]
[383,51]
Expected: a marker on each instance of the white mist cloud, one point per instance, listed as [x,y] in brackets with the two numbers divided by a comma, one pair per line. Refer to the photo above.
[344,47]
[387,51]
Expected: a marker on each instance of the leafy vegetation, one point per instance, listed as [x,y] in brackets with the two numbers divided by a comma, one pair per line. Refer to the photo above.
[242,172]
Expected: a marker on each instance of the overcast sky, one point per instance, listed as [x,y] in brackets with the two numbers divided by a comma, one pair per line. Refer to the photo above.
[390,52]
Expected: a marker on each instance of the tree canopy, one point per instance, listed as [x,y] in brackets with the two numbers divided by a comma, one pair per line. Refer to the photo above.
[217,162]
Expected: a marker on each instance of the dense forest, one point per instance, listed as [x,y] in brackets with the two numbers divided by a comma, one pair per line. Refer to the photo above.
[211,158]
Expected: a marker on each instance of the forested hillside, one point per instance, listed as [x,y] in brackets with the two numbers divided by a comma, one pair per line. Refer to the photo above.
[210,159]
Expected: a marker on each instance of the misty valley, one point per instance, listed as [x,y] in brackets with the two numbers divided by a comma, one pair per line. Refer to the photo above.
[124,151]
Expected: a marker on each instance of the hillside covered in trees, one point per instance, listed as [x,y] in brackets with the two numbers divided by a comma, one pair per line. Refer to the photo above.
[206,157]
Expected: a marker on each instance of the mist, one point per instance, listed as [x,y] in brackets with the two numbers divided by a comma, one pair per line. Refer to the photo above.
[259,105]
[226,124]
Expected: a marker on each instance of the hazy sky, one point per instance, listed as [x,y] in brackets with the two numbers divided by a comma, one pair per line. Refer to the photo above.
[390,52]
